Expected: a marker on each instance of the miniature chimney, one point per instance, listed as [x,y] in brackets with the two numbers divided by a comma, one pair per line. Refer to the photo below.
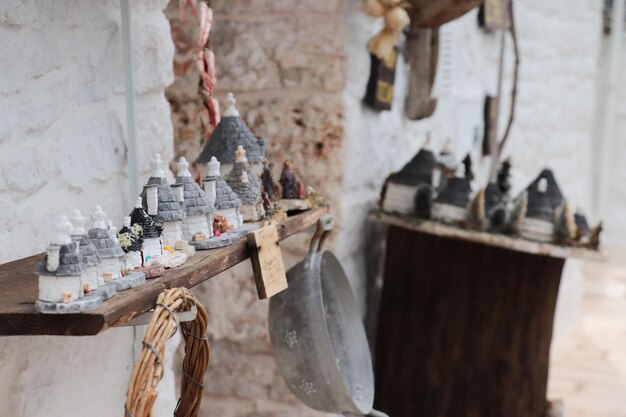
[542,185]
[183,167]
[230,110]
[240,154]
[152,199]
[63,237]
[78,221]
[209,181]
[138,203]
[157,166]
[98,218]
[112,231]
[127,222]
[179,190]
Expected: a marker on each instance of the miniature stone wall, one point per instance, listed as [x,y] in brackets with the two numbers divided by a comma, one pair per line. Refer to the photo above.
[62,146]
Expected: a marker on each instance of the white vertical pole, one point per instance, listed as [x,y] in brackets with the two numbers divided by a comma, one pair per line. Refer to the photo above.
[609,115]
[131,130]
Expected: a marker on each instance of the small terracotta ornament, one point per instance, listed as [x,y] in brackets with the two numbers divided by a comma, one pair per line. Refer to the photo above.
[544,198]
[150,232]
[293,190]
[163,204]
[247,186]
[131,242]
[267,180]
[110,252]
[410,190]
[230,133]
[61,288]
[451,203]
[88,252]
[199,210]
[220,225]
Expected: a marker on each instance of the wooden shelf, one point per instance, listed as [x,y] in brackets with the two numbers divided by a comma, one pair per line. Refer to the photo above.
[18,286]
[491,239]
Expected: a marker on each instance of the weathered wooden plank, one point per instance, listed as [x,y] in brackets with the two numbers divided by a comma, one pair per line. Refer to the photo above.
[434,13]
[18,284]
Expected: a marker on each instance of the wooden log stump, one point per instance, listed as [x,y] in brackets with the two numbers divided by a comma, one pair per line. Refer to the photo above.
[464,328]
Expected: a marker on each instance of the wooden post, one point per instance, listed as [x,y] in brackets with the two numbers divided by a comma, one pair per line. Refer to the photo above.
[464,328]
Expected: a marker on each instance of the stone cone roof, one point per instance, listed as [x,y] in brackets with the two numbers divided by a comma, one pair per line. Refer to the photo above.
[418,170]
[70,262]
[543,205]
[149,226]
[225,197]
[196,201]
[107,247]
[455,193]
[87,250]
[249,192]
[137,244]
[231,132]
[170,208]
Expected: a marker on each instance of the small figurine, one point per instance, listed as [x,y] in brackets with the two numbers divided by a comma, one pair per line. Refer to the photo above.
[131,242]
[446,167]
[594,237]
[247,186]
[267,180]
[293,190]
[149,231]
[88,252]
[199,210]
[544,198]
[518,214]
[163,204]
[476,217]
[451,203]
[268,206]
[582,226]
[61,284]
[109,250]
[496,208]
[565,225]
[230,133]
[410,190]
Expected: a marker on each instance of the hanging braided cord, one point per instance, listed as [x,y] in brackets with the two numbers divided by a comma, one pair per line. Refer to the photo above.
[148,370]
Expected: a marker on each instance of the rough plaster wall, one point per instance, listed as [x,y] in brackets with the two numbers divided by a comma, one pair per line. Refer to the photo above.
[554,119]
[62,146]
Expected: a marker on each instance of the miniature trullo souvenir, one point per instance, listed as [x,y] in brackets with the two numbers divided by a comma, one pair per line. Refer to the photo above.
[151,247]
[410,190]
[109,250]
[163,204]
[61,271]
[451,203]
[199,210]
[230,133]
[131,242]
[247,186]
[544,198]
[88,252]
[225,200]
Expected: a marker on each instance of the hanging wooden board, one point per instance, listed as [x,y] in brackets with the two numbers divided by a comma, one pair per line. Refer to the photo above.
[379,93]
[434,13]
[267,261]
[423,54]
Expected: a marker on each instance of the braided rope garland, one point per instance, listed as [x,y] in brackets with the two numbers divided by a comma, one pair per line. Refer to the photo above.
[148,370]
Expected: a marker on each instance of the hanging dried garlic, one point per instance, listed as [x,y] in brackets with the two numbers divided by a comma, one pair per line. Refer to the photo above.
[396,19]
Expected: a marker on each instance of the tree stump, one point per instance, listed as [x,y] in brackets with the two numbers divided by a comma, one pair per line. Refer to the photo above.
[464,328]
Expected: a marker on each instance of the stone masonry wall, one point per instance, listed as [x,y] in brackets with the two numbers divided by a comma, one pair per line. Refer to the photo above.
[63,146]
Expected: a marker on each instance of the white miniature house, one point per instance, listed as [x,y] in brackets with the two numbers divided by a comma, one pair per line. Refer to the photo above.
[163,204]
[61,271]
[225,200]
[131,243]
[247,186]
[199,211]
[451,203]
[109,250]
[88,252]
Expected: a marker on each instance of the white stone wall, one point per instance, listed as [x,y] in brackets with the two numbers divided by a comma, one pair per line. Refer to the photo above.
[63,146]
[559,44]
[195,223]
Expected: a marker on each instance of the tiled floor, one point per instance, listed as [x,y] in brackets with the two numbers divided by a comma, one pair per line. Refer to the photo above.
[588,366]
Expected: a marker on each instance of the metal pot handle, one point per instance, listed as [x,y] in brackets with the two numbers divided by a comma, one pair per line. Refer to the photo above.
[375,413]
[325,225]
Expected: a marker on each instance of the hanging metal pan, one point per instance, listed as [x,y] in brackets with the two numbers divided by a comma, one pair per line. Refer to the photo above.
[318,337]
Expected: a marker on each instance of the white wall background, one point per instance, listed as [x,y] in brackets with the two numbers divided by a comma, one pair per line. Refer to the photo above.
[63,146]
[559,48]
